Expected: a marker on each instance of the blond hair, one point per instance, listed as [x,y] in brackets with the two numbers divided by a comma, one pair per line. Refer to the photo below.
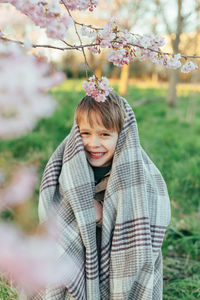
[111,112]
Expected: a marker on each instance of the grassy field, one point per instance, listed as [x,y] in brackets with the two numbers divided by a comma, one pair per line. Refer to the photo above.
[171,139]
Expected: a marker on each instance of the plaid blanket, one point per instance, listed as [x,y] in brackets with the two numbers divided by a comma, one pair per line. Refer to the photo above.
[136,212]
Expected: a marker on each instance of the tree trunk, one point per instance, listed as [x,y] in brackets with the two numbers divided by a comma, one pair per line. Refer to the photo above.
[171,96]
[123,83]
[154,77]
[75,70]
[114,73]
[98,70]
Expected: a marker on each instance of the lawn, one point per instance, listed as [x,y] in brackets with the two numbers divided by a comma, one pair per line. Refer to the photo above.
[171,139]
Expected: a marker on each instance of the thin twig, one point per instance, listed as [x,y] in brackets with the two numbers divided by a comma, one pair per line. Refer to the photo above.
[69,44]
[77,23]
[86,62]
[78,47]
[90,26]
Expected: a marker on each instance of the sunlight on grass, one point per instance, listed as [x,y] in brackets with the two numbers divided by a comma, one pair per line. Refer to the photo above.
[70,85]
[183,89]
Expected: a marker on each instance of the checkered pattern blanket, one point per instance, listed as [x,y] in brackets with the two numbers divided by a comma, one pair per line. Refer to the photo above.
[136,212]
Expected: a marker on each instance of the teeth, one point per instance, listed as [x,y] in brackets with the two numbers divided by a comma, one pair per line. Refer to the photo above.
[97,153]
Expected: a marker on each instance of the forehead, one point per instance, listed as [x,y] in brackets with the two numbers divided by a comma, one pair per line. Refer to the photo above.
[91,121]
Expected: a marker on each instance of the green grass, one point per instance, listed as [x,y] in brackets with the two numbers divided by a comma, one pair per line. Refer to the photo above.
[170,141]
[6,291]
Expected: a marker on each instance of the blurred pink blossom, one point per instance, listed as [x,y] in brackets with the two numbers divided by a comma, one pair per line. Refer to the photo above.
[20,188]
[23,81]
[45,14]
[1,34]
[32,262]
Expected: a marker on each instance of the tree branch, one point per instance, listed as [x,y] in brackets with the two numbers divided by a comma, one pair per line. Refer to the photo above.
[79,47]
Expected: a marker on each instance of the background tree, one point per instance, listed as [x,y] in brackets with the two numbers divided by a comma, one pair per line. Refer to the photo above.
[186,19]
[129,14]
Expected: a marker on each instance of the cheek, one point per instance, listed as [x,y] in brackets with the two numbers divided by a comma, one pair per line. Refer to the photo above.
[83,141]
[114,145]
[111,146]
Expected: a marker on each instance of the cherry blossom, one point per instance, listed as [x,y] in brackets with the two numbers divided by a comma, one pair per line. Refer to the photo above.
[125,46]
[23,102]
[91,33]
[37,256]
[153,41]
[108,33]
[97,88]
[188,67]
[119,57]
[20,188]
[173,62]
[81,4]
[46,15]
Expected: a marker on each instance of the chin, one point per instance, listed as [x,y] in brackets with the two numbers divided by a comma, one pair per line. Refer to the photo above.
[96,164]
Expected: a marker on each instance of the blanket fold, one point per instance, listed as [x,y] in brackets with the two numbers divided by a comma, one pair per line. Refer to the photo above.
[136,212]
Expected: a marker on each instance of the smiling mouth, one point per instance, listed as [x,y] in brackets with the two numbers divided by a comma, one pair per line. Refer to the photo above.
[96,155]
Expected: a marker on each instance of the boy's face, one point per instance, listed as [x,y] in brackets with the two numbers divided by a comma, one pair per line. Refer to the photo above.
[99,142]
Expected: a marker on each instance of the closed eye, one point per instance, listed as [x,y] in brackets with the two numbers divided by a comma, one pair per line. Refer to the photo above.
[85,133]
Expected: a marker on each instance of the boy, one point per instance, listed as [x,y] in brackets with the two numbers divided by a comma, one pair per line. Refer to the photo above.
[113,206]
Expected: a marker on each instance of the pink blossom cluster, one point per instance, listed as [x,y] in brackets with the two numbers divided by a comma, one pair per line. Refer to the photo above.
[97,88]
[81,4]
[125,46]
[20,188]
[108,34]
[32,262]
[23,81]
[150,40]
[188,67]
[111,37]
[170,62]
[45,14]
[104,37]
[119,57]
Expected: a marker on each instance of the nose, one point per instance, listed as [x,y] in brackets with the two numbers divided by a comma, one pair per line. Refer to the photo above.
[94,141]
